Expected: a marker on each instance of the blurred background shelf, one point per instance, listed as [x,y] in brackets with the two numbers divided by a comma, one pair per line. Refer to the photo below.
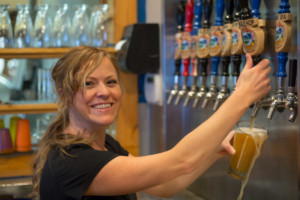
[36,53]
[30,108]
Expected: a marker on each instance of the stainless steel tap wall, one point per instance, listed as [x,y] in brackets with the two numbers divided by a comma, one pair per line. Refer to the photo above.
[276,173]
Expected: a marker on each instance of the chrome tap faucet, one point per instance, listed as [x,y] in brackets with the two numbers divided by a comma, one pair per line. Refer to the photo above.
[203,88]
[192,93]
[177,54]
[278,100]
[224,92]
[291,99]
[213,91]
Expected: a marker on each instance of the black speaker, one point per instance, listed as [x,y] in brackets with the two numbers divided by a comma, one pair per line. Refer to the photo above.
[138,51]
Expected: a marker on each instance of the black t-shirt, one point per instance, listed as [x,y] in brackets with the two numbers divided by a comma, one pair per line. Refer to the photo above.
[68,177]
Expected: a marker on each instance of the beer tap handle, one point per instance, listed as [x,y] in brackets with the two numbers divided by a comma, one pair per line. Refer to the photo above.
[237,60]
[284,7]
[237,6]
[186,64]
[204,63]
[225,65]
[215,63]
[282,59]
[255,8]
[292,101]
[220,11]
[245,10]
[292,73]
[207,5]
[197,15]
[229,11]
[180,16]
[189,14]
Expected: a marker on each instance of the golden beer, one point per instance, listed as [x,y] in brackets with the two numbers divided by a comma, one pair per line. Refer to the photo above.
[247,144]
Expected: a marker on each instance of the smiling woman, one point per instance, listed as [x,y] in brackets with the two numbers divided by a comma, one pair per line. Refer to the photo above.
[78,160]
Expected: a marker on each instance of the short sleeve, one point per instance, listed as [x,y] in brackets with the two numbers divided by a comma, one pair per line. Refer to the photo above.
[74,173]
[112,145]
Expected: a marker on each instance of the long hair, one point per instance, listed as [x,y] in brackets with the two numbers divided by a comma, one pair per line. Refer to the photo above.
[69,75]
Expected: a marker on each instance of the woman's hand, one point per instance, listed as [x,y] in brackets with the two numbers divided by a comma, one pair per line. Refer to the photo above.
[226,148]
[253,82]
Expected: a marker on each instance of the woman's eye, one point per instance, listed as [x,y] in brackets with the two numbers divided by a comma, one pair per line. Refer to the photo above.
[88,83]
[112,82]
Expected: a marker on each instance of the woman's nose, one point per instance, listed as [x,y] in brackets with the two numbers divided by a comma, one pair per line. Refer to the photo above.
[102,90]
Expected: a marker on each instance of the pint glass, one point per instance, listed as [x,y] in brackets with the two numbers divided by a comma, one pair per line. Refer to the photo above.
[247,143]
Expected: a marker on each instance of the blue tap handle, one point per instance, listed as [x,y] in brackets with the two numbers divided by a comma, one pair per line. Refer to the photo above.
[215,65]
[255,8]
[220,11]
[284,7]
[282,59]
[197,16]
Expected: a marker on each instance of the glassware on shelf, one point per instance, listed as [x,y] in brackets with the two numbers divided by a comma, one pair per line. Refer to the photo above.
[23,27]
[61,27]
[79,29]
[98,32]
[45,86]
[42,30]
[6,32]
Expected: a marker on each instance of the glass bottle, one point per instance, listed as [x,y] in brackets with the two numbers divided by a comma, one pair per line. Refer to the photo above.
[42,27]
[23,27]
[79,30]
[6,32]
[61,27]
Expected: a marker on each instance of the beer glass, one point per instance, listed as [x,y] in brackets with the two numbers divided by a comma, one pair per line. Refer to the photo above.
[23,27]
[247,143]
[80,26]
[42,33]
[6,31]
[61,27]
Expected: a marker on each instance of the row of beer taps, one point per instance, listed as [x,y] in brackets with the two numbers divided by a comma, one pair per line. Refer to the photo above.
[201,45]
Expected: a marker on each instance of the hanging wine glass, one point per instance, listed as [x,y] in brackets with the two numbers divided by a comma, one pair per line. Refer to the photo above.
[23,27]
[6,33]
[79,30]
[42,27]
[98,30]
[61,27]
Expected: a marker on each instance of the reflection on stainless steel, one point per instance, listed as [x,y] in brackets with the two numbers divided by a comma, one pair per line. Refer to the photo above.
[276,173]
[17,187]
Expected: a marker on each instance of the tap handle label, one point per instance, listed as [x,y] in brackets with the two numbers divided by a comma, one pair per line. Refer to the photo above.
[216,40]
[227,40]
[202,49]
[253,35]
[236,40]
[283,32]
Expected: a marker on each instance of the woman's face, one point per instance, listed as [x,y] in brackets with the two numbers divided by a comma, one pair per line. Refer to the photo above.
[100,102]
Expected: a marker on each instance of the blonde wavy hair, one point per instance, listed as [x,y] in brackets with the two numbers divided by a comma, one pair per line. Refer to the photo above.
[69,75]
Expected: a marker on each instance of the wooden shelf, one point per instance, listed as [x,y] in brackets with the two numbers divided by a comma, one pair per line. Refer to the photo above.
[28,108]
[36,53]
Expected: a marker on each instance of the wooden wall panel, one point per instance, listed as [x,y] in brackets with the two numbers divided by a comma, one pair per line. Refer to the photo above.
[125,13]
